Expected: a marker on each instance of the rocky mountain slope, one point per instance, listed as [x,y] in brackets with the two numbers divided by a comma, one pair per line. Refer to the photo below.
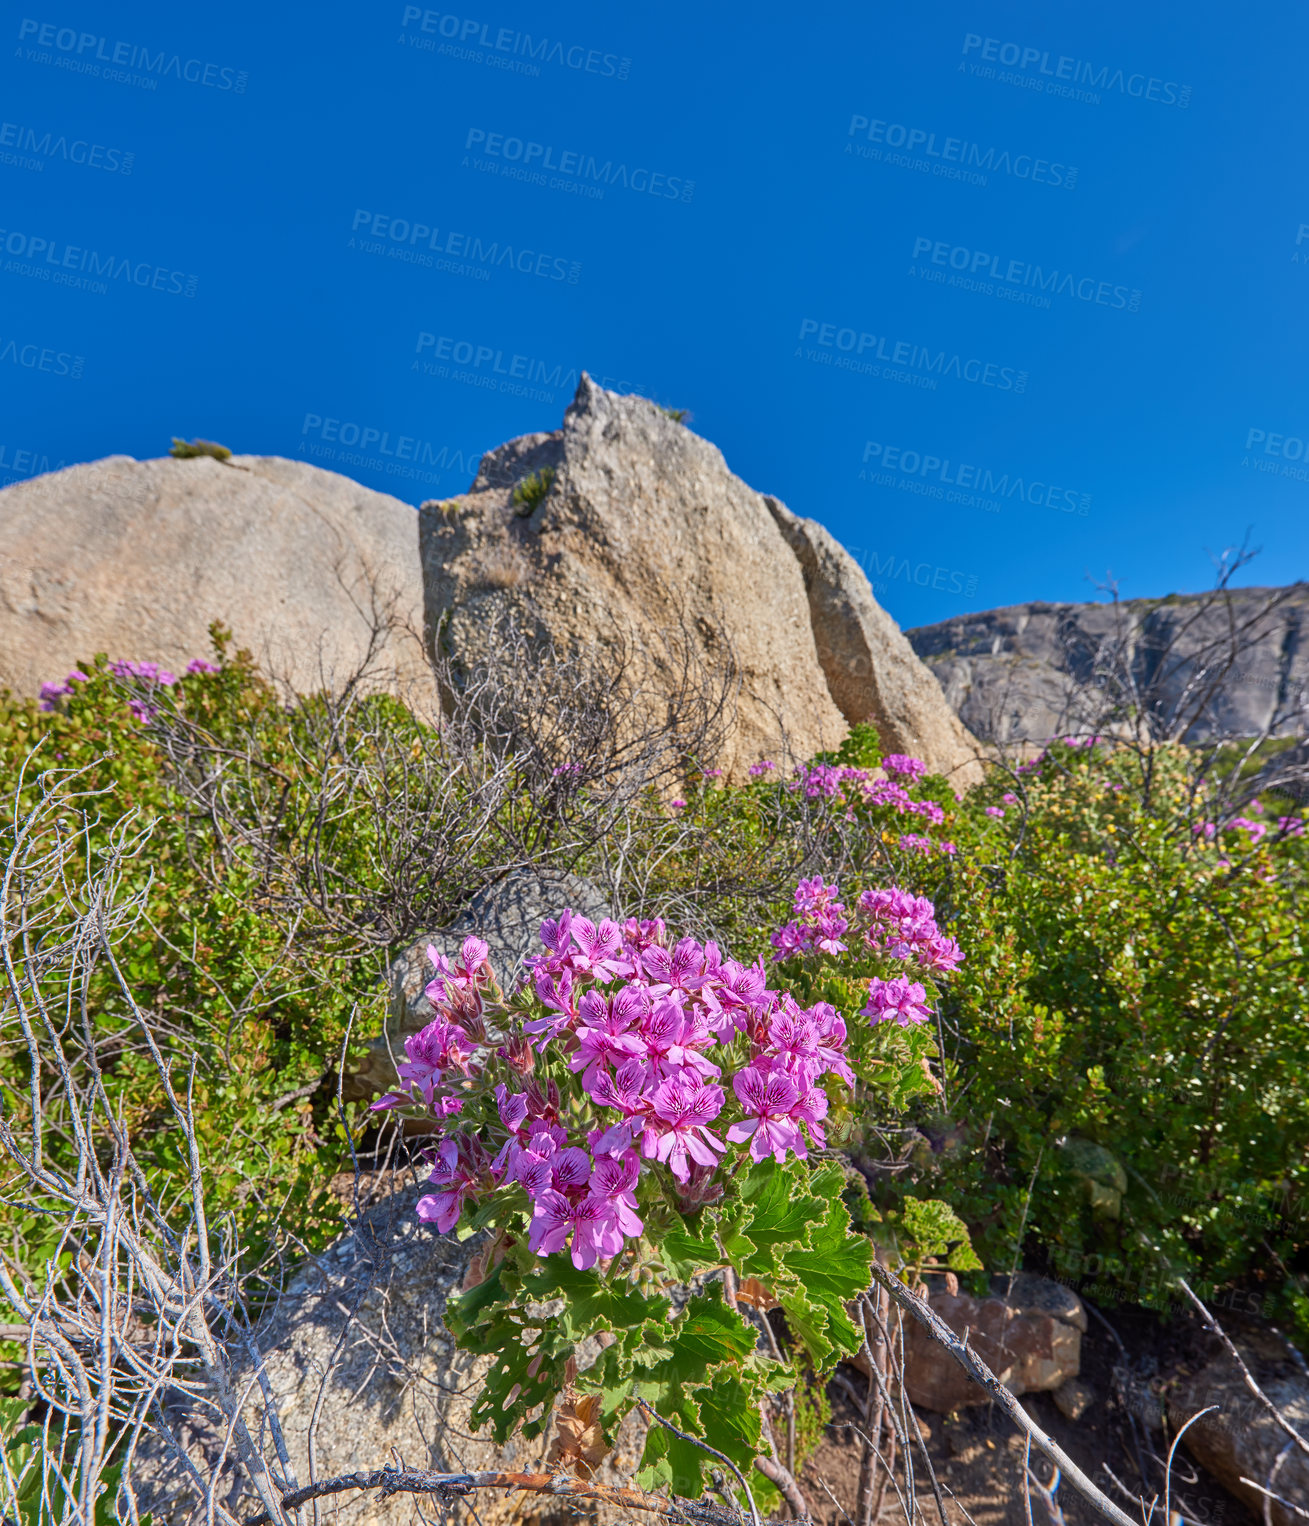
[622,524]
[1029,672]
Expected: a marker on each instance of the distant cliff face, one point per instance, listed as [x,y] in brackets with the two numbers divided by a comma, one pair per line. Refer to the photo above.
[1029,672]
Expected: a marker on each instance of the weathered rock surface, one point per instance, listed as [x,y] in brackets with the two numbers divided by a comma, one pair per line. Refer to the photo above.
[645,531]
[872,671]
[136,558]
[1031,1339]
[645,536]
[1241,1440]
[362,1327]
[508,916]
[1012,674]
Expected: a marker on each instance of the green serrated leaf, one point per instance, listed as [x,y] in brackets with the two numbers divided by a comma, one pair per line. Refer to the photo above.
[467,1310]
[779,1216]
[591,1302]
[685,1254]
[726,1414]
[706,1334]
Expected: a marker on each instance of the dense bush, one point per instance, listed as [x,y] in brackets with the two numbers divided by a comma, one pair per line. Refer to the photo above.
[1128,1042]
[1114,1084]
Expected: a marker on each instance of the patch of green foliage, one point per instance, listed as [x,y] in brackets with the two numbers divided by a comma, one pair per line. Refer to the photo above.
[530,493]
[1128,985]
[1128,1096]
[186,450]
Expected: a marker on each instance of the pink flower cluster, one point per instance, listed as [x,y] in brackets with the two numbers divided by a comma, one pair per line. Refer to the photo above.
[904,926]
[906,767]
[51,691]
[914,842]
[900,1000]
[644,1027]
[817,925]
[826,780]
[898,924]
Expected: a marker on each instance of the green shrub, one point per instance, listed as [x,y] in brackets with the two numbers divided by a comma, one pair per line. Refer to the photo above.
[186,450]
[531,491]
[1128,1093]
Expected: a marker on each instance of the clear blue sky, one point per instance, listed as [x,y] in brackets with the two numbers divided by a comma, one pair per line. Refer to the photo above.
[759,256]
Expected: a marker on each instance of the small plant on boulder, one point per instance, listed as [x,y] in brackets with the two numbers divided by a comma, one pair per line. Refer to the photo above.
[186,450]
[531,491]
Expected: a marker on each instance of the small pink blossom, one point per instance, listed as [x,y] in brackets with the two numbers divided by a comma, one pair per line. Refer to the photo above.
[900,1000]
[555,1218]
[453,1176]
[768,1098]
[676,1132]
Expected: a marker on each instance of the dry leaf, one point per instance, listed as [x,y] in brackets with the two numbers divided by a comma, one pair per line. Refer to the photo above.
[484,1263]
[578,1442]
[952,1284]
[753,1292]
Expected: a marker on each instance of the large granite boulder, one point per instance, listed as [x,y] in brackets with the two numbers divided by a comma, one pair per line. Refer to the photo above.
[644,532]
[1027,672]
[872,671]
[136,558]
[357,1357]
[508,916]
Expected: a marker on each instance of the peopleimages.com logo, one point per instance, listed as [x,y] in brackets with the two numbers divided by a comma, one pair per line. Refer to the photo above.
[971,487]
[495,369]
[504,47]
[28,148]
[1278,454]
[1057,74]
[17,463]
[866,354]
[951,158]
[566,169]
[39,357]
[90,53]
[976,270]
[921,574]
[46,259]
[400,455]
[421,244]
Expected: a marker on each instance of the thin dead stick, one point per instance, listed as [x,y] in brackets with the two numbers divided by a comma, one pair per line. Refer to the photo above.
[980,1373]
[704,1447]
[785,1481]
[451,1486]
[1168,1470]
[1213,1325]
[1271,1480]
[1279,1499]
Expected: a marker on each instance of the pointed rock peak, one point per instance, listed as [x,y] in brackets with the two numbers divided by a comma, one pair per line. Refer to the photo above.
[511,462]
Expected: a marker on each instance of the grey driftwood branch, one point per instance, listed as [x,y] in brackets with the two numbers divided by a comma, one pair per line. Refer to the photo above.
[1248,1377]
[920,1310]
[452,1486]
